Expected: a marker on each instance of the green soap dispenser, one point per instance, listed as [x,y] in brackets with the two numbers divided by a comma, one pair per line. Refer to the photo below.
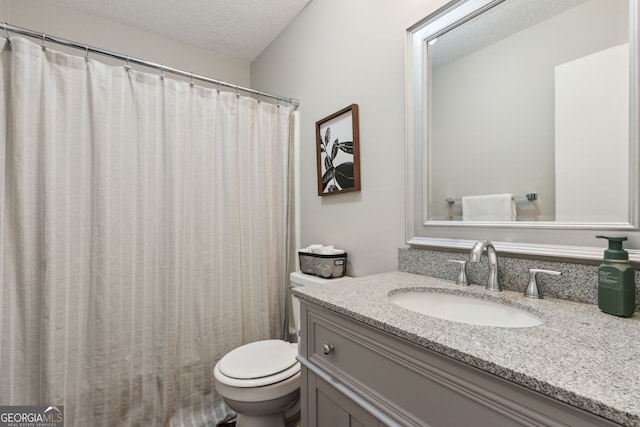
[616,280]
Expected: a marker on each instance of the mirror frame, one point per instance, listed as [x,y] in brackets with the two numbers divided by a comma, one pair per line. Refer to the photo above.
[577,240]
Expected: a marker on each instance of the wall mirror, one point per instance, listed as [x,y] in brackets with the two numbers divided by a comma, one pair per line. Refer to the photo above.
[523,122]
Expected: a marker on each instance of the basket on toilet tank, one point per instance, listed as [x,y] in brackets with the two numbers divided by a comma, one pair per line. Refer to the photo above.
[326,266]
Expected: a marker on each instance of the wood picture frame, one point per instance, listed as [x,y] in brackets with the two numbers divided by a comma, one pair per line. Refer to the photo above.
[338,152]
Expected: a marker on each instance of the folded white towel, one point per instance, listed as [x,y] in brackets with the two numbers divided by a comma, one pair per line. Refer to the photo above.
[492,207]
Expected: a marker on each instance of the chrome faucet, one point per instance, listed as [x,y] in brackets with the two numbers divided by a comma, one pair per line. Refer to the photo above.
[493,283]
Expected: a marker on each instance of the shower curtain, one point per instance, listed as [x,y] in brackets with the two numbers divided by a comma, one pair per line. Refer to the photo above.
[143,235]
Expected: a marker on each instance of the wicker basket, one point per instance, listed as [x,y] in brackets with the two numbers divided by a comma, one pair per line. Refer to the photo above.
[326,266]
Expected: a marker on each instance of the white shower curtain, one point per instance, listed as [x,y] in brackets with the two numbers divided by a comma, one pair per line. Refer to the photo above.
[143,235]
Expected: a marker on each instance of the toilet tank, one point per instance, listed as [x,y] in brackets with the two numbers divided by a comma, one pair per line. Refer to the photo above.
[298,278]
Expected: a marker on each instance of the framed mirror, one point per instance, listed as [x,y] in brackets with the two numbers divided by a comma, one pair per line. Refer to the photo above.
[523,125]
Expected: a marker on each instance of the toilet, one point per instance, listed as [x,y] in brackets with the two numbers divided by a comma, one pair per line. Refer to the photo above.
[260,381]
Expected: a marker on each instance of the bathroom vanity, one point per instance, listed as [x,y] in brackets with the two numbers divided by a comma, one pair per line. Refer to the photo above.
[367,361]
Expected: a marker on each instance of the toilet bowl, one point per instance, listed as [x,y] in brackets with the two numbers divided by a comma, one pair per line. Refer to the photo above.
[260,381]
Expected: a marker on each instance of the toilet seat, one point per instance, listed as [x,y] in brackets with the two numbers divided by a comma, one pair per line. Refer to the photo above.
[257,364]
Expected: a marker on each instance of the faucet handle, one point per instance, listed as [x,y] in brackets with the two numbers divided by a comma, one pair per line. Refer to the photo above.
[532,290]
[462,273]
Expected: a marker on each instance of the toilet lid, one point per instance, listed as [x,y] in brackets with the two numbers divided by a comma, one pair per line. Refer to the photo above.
[258,359]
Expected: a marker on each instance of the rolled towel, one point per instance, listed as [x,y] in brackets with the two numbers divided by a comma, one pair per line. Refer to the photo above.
[332,251]
[322,250]
[314,248]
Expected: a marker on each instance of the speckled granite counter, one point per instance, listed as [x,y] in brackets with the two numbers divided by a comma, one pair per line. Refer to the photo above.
[580,355]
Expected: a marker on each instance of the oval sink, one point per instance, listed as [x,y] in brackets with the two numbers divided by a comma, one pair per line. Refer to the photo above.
[464,309]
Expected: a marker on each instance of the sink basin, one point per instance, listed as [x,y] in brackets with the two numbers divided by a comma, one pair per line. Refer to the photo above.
[465,309]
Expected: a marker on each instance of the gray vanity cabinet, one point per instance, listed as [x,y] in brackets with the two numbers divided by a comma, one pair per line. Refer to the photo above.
[332,408]
[356,375]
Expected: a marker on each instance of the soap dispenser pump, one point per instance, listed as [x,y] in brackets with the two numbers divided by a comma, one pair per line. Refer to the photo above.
[616,280]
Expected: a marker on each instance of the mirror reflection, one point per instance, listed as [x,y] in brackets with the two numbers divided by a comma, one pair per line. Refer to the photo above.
[528,114]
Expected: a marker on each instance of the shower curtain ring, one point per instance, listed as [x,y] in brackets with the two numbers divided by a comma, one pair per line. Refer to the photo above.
[237,90]
[126,65]
[6,31]
[161,72]
[44,41]
[86,51]
[191,82]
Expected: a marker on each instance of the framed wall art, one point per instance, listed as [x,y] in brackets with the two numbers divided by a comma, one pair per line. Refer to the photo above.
[338,152]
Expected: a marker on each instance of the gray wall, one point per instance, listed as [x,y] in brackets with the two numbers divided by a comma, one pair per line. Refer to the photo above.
[333,54]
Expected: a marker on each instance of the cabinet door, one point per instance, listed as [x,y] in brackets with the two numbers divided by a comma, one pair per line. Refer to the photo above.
[329,408]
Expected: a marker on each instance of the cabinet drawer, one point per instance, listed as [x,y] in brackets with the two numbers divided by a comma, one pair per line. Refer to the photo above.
[416,386]
[363,365]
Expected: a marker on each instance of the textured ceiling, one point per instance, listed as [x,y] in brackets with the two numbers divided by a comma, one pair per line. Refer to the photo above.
[239,29]
[497,23]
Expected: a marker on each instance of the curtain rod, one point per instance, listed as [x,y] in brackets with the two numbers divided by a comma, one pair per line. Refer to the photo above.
[8,28]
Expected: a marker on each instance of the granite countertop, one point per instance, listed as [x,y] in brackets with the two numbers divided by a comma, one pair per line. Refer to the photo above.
[580,355]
